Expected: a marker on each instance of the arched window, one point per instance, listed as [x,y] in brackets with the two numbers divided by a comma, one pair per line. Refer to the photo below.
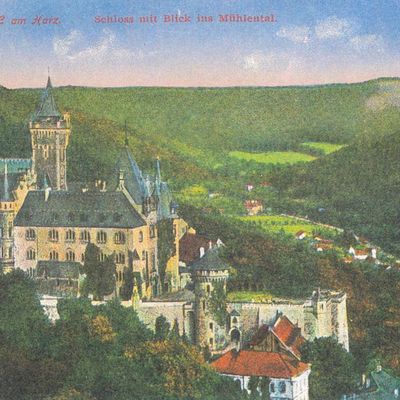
[120,258]
[102,256]
[152,231]
[101,237]
[85,236]
[10,252]
[234,320]
[31,254]
[30,234]
[53,255]
[119,238]
[53,235]
[83,257]
[70,235]
[70,255]
[272,387]
[140,236]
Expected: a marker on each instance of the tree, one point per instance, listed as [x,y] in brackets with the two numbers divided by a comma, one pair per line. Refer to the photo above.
[127,287]
[162,327]
[333,370]
[100,275]
[217,303]
[174,334]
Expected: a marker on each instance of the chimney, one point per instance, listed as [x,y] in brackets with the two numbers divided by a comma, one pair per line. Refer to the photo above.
[47,193]
[201,252]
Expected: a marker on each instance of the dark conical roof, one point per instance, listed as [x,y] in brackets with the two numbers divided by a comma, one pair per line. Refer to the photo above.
[211,261]
[47,106]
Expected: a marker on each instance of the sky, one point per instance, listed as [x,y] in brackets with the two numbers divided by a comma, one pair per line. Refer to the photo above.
[310,42]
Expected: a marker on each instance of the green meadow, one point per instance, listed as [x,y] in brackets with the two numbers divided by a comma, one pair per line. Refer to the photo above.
[290,225]
[273,157]
[326,148]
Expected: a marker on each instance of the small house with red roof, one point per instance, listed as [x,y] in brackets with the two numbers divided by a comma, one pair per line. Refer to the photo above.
[253,207]
[283,337]
[287,376]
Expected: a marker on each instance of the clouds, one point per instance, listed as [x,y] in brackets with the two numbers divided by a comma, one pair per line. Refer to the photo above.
[297,34]
[74,47]
[333,28]
[367,42]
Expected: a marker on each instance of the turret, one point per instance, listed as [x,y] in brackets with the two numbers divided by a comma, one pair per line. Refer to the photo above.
[208,272]
[50,132]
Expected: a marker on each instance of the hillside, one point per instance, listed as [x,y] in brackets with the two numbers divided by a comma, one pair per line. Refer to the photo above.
[358,187]
[196,131]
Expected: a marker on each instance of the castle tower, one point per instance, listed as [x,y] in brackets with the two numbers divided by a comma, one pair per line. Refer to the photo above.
[209,273]
[50,133]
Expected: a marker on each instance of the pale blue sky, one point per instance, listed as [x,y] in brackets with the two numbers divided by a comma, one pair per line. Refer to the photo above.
[311,42]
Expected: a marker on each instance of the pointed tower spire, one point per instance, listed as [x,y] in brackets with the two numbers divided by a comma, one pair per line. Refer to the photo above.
[47,106]
[6,188]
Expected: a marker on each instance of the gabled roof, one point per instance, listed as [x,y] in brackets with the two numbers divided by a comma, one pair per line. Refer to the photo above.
[78,209]
[285,331]
[259,363]
[47,106]
[289,334]
[211,261]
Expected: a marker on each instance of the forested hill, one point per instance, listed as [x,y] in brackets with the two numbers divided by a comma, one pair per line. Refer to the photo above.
[358,187]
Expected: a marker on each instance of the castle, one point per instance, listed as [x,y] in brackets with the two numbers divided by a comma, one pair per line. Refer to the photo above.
[46,226]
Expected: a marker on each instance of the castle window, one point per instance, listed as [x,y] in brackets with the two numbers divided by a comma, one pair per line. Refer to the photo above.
[143,255]
[282,387]
[10,229]
[85,236]
[153,262]
[208,289]
[70,236]
[53,235]
[140,236]
[204,305]
[211,326]
[211,340]
[152,231]
[234,320]
[120,258]
[53,255]
[45,151]
[83,257]
[119,238]
[272,387]
[31,254]
[102,256]
[30,234]
[70,255]
[101,237]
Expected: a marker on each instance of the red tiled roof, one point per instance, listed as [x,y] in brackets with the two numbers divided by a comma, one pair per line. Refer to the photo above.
[189,247]
[259,363]
[289,334]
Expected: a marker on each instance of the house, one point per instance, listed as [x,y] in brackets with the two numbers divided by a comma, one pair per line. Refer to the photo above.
[282,337]
[249,187]
[359,254]
[253,207]
[287,377]
[300,235]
